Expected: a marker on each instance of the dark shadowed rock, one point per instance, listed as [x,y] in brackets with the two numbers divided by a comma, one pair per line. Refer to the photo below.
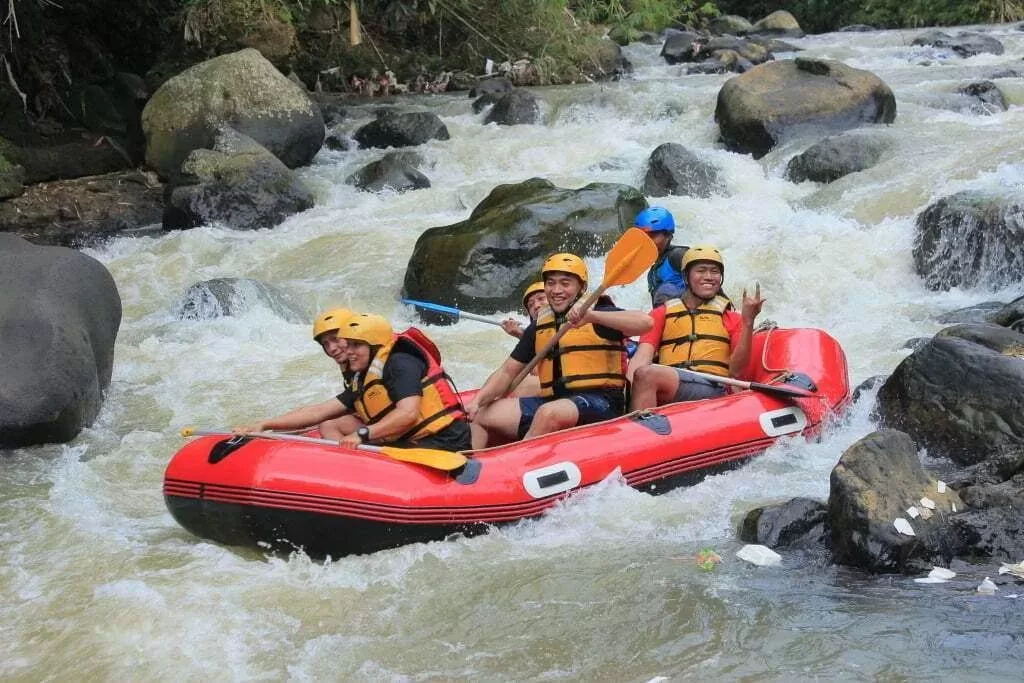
[964,43]
[395,171]
[971,239]
[781,100]
[838,156]
[514,108]
[483,263]
[993,526]
[873,484]
[986,95]
[681,46]
[944,394]
[868,385]
[674,170]
[486,100]
[1011,315]
[798,523]
[491,85]
[230,296]
[978,313]
[59,316]
[392,129]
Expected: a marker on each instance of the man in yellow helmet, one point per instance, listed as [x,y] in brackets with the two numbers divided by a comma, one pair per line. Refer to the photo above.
[534,299]
[581,380]
[696,331]
[325,332]
[399,390]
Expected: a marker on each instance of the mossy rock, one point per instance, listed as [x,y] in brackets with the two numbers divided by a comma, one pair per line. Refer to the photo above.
[12,179]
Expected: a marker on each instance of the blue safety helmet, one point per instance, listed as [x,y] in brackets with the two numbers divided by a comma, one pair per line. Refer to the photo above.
[656,219]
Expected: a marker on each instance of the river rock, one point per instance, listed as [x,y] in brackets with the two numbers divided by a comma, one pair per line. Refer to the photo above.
[821,96]
[394,129]
[12,179]
[729,24]
[238,183]
[681,46]
[753,52]
[231,296]
[870,384]
[971,239]
[797,524]
[837,156]
[491,85]
[857,28]
[486,100]
[943,394]
[978,313]
[964,43]
[986,97]
[719,65]
[483,263]
[773,45]
[513,108]
[59,317]
[65,160]
[779,23]
[872,486]
[915,343]
[1011,315]
[674,170]
[395,171]
[993,524]
[242,90]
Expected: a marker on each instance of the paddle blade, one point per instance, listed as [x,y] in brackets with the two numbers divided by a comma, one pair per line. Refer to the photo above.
[781,390]
[438,459]
[629,258]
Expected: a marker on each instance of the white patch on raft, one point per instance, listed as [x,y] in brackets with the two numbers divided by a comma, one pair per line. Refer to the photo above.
[759,555]
[928,503]
[940,486]
[903,526]
[912,512]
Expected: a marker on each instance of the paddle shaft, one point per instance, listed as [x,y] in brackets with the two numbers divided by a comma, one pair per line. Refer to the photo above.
[753,386]
[454,311]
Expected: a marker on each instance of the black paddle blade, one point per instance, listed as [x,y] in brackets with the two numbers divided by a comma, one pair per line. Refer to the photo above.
[226,447]
[781,390]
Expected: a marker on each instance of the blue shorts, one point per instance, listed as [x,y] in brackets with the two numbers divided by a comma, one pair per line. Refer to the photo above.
[593,407]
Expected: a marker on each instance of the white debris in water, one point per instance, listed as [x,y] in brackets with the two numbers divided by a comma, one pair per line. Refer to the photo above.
[926,513]
[929,579]
[912,512]
[903,526]
[759,555]
[986,587]
[1015,569]
[953,505]
[928,503]
[940,486]
[941,573]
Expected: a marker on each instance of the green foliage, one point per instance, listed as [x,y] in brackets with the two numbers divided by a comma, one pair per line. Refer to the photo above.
[643,15]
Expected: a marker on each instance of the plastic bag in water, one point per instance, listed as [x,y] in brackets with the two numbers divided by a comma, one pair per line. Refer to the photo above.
[759,555]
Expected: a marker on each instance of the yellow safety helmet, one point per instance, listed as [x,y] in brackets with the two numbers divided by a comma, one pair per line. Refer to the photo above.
[566,263]
[531,290]
[330,320]
[374,330]
[703,252]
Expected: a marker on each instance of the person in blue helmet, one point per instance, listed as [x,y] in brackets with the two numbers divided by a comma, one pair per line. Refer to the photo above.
[666,275]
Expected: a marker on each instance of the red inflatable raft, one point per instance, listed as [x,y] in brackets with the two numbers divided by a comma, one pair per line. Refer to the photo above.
[332,501]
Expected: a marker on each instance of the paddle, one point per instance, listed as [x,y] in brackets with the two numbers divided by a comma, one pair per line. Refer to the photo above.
[777,389]
[454,311]
[437,459]
[629,258]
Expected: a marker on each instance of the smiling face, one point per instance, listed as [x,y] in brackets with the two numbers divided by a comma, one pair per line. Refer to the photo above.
[562,290]
[537,301]
[358,355]
[704,279]
[334,346]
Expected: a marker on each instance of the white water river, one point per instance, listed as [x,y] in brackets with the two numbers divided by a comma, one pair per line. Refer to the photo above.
[97,582]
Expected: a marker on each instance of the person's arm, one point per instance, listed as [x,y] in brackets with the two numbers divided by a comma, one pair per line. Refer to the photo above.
[512,328]
[742,346]
[400,420]
[644,356]
[629,323]
[495,386]
[299,418]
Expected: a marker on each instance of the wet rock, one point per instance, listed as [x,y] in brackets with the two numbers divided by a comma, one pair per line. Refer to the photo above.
[838,156]
[779,23]
[730,24]
[396,171]
[747,50]
[242,90]
[12,179]
[393,129]
[711,66]
[868,385]
[486,100]
[332,108]
[482,263]
[340,141]
[986,95]
[857,28]
[232,296]
[942,394]
[514,108]
[674,170]
[66,160]
[797,524]
[649,38]
[964,43]
[915,343]
[682,46]
[491,85]
[773,45]
[238,183]
[85,211]
[978,313]
[59,317]
[822,97]
[1005,73]
[971,239]
[1011,315]
[993,526]
[873,484]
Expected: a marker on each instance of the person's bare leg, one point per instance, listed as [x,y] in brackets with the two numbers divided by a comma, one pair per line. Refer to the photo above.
[552,417]
[501,418]
[339,427]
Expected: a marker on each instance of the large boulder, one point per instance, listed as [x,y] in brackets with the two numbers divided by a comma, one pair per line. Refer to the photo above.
[514,108]
[59,317]
[682,46]
[674,170]
[1011,315]
[491,85]
[993,525]
[230,296]
[779,23]
[964,43]
[238,183]
[837,156]
[393,129]
[984,97]
[798,523]
[242,90]
[730,24]
[874,484]
[483,263]
[960,395]
[781,100]
[395,171]
[971,239]
[749,50]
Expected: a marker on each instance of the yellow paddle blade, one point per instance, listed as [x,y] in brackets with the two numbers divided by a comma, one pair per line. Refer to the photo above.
[438,459]
[629,258]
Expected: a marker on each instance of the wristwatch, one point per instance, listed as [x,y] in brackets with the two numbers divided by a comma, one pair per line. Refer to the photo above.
[364,434]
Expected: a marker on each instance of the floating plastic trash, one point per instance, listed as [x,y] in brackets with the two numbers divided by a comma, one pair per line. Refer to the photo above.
[707,558]
[903,526]
[1015,569]
[912,512]
[942,573]
[759,555]
[928,503]
[986,587]
[940,486]
[953,505]
[929,579]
